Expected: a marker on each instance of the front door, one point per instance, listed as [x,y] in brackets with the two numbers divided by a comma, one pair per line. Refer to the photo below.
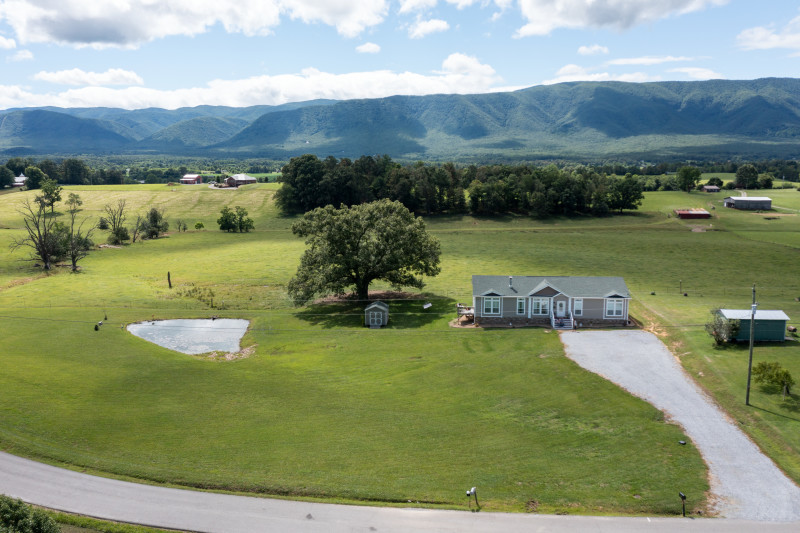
[561,309]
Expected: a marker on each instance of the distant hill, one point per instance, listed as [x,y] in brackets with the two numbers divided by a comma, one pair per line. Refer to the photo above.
[195,132]
[47,129]
[581,120]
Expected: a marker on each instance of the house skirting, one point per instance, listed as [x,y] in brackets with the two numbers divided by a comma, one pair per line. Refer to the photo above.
[513,321]
[545,322]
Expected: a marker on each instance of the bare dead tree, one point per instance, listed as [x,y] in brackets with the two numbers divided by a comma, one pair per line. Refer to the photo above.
[115,215]
[42,234]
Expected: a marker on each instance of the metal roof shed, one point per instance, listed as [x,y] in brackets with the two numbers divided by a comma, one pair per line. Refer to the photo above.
[748,202]
[770,324]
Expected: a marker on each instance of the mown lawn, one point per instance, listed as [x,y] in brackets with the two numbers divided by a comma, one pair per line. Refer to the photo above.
[417,412]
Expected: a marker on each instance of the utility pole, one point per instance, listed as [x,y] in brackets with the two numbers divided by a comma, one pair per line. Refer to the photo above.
[752,334]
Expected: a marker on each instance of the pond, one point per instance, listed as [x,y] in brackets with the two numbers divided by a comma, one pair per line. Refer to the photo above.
[193,336]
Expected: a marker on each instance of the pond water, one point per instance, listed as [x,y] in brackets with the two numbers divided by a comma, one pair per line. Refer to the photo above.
[193,336]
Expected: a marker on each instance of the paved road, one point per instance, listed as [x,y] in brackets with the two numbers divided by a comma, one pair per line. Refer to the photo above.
[219,513]
[745,483]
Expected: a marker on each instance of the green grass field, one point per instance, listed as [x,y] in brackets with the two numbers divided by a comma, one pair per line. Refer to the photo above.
[416,412]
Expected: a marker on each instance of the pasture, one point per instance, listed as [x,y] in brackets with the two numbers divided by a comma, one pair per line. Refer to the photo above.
[418,412]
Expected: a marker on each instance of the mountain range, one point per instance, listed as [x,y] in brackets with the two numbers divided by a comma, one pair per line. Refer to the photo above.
[717,119]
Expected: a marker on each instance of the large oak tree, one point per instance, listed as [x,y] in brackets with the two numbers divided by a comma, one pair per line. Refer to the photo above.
[350,247]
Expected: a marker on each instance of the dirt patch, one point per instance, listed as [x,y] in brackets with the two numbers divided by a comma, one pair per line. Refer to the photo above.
[244,353]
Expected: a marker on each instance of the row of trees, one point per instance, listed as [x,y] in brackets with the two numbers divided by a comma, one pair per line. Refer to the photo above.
[308,183]
[73,171]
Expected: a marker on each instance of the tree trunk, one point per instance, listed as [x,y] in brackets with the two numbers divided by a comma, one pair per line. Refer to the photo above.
[362,290]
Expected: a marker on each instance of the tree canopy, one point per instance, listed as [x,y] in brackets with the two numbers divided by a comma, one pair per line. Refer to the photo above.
[747,177]
[350,247]
[688,177]
[233,221]
[773,374]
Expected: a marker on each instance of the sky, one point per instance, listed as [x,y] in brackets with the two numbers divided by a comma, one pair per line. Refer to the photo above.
[182,53]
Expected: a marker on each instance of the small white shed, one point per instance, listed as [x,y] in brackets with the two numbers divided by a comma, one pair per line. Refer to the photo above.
[376,314]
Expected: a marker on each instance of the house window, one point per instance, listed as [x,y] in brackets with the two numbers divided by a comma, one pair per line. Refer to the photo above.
[577,307]
[540,306]
[491,305]
[520,306]
[614,308]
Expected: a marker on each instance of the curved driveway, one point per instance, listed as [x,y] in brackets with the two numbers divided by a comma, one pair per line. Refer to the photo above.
[744,482]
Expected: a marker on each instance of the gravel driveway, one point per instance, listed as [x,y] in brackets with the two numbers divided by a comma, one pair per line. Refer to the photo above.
[744,482]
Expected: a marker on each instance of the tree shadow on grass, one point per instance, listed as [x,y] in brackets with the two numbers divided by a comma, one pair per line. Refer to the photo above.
[404,313]
[791,404]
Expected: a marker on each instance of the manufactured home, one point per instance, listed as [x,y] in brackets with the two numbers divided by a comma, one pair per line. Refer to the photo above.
[561,302]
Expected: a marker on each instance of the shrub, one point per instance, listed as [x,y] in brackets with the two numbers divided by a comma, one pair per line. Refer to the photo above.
[119,236]
[773,374]
[722,329]
[18,517]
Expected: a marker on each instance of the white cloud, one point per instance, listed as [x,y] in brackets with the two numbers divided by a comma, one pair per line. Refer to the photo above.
[6,43]
[128,23]
[22,55]
[408,6]
[76,76]
[421,28]
[697,73]
[368,48]
[592,50]
[578,73]
[648,60]
[761,38]
[460,74]
[544,16]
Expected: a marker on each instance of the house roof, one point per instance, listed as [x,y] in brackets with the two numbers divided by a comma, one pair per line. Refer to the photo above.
[377,303]
[761,314]
[575,286]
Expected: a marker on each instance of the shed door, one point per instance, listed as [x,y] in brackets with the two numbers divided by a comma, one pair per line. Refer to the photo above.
[375,318]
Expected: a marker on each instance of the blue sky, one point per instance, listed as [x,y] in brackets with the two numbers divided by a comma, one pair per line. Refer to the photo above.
[176,53]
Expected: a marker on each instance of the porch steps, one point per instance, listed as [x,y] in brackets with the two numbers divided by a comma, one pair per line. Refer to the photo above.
[566,323]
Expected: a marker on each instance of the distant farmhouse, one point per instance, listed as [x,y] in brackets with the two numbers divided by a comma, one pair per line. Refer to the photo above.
[770,325]
[191,179]
[240,179]
[748,202]
[20,180]
[562,302]
[710,188]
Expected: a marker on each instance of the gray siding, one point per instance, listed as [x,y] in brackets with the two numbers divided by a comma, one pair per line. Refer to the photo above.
[592,308]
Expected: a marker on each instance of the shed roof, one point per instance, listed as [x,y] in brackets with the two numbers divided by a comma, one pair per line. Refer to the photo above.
[749,199]
[761,314]
[575,286]
[378,304]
